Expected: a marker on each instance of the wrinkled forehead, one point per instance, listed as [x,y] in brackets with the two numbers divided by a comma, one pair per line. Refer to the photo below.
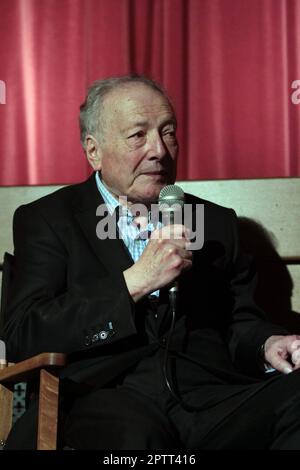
[136,99]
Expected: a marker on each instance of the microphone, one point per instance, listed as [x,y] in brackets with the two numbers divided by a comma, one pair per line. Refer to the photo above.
[170,202]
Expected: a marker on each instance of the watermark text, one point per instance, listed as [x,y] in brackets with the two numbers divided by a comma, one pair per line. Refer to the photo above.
[157,217]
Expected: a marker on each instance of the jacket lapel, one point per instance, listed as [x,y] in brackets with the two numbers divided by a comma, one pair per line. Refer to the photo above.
[112,253]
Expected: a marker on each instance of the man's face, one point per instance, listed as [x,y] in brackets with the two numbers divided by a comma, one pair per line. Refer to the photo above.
[137,154]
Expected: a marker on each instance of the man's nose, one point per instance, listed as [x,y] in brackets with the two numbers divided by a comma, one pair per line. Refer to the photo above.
[157,147]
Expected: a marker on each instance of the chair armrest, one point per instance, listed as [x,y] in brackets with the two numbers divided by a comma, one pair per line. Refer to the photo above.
[24,370]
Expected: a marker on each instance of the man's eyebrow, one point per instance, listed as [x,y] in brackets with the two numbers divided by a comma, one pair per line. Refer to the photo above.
[171,120]
[132,125]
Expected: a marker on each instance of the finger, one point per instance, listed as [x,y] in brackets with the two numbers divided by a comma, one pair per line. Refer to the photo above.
[173,245]
[180,243]
[281,365]
[178,247]
[178,257]
[182,265]
[296,357]
[188,255]
[187,265]
[295,345]
[174,232]
[187,233]
[184,254]
[177,233]
[292,345]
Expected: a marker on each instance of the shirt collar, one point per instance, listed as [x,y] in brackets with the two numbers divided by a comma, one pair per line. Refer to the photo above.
[111,202]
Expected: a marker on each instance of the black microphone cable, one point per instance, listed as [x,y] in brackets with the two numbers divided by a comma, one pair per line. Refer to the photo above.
[173,307]
[173,302]
[171,202]
[168,381]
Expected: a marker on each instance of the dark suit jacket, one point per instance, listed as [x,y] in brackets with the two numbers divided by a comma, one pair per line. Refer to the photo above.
[69,295]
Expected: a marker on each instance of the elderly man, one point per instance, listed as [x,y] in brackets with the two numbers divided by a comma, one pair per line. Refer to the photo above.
[216,375]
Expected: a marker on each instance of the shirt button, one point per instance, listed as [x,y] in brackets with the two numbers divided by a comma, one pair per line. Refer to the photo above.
[163,340]
[95,338]
[103,334]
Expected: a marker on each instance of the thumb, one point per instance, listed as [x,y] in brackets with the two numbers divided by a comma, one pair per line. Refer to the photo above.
[281,365]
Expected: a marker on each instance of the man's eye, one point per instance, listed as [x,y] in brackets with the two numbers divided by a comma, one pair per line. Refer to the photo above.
[170,133]
[136,135]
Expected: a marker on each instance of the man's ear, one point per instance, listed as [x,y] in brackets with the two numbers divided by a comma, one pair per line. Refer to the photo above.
[93,152]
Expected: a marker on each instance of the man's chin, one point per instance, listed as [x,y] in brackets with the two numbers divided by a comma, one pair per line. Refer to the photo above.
[148,197]
[148,191]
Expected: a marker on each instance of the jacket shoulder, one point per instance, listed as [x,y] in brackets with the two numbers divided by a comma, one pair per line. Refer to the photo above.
[62,200]
[210,207]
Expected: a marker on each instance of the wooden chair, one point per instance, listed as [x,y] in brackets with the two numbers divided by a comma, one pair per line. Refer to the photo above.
[43,366]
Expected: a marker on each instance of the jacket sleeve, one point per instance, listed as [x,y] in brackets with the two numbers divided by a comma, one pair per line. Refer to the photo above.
[249,327]
[47,313]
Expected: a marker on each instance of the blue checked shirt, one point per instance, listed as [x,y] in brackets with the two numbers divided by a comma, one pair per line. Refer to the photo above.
[135,239]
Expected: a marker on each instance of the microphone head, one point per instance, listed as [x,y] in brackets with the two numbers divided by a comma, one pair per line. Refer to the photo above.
[170,195]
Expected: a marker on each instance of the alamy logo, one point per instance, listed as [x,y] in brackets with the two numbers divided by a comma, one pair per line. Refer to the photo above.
[2,92]
[191,216]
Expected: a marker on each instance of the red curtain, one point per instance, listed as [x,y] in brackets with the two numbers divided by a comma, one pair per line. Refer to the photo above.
[229,66]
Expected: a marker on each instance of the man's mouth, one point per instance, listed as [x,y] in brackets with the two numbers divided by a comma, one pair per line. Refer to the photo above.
[155,173]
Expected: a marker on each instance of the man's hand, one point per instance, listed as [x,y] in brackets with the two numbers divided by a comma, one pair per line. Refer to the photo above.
[163,260]
[283,352]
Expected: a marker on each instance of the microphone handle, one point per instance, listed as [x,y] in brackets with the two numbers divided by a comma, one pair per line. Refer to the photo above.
[172,218]
[173,290]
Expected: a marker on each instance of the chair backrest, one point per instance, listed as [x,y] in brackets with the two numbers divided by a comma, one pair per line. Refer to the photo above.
[7,276]
[43,366]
